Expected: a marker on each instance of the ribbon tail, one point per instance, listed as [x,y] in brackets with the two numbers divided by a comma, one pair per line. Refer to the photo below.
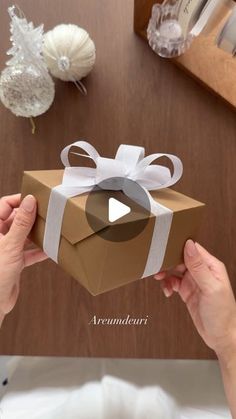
[160,237]
[162,226]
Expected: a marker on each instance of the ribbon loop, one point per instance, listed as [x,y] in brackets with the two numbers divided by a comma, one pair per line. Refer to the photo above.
[84,145]
[130,155]
[160,176]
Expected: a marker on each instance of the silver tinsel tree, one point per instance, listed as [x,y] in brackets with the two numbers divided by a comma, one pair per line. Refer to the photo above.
[26,88]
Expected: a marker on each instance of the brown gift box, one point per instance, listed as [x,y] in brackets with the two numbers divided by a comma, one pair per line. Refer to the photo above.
[102,265]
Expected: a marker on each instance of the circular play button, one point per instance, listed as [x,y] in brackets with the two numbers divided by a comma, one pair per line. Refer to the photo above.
[117,209]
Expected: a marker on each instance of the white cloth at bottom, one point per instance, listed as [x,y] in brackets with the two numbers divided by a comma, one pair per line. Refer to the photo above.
[58,388]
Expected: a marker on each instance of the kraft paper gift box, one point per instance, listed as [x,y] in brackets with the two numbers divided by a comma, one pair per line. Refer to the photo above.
[98,264]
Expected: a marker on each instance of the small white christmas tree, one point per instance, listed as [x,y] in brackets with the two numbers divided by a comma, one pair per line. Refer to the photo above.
[27,41]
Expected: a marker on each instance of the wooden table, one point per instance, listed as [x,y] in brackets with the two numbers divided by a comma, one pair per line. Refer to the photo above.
[135,98]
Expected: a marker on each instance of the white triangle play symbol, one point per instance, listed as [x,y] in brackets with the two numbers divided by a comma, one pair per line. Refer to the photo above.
[116,210]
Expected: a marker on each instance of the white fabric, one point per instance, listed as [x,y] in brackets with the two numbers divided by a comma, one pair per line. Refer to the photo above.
[129,163]
[59,388]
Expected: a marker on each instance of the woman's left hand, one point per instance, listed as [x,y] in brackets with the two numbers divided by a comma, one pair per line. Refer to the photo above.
[16,252]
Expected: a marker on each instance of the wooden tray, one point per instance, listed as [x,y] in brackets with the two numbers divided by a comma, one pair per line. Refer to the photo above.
[213,67]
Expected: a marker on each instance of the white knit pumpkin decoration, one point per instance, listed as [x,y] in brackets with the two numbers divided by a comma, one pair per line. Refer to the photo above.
[69,52]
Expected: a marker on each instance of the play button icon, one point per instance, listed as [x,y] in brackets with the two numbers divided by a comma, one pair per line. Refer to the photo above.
[116,210]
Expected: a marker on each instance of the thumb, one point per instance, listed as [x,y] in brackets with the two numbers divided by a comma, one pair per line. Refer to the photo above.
[23,222]
[197,266]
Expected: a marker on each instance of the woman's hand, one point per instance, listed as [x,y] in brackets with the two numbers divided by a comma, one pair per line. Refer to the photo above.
[16,221]
[203,284]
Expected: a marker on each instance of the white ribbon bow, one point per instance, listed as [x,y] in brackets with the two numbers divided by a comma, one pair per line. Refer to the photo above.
[129,163]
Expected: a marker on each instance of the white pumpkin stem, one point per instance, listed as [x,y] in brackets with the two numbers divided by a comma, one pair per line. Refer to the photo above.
[33,126]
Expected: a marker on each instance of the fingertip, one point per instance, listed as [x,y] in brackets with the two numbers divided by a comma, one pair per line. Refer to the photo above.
[168,293]
[190,249]
[176,285]
[167,288]
[159,276]
[28,203]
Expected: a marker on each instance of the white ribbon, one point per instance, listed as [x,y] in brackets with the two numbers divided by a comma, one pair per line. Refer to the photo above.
[129,163]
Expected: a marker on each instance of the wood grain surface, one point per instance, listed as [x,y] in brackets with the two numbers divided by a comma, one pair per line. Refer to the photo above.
[133,98]
[206,62]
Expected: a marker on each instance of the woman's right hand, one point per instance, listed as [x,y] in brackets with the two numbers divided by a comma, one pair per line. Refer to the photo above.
[203,284]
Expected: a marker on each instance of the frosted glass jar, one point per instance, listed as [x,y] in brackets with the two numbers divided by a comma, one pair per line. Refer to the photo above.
[175,23]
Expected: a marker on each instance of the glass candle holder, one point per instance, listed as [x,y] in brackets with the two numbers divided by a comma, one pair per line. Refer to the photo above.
[175,23]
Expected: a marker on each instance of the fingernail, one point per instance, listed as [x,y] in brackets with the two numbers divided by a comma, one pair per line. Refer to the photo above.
[191,249]
[166,292]
[28,203]
[176,286]
[160,275]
